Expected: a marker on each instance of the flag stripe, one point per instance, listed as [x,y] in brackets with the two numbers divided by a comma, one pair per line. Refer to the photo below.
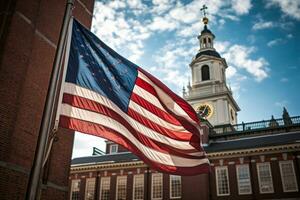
[110,123]
[101,131]
[145,136]
[180,107]
[177,135]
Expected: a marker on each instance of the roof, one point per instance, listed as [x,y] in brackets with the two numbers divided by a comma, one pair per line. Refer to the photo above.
[206,30]
[254,142]
[208,53]
[237,144]
[108,158]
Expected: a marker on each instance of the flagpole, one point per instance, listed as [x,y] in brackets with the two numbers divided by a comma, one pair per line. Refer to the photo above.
[36,169]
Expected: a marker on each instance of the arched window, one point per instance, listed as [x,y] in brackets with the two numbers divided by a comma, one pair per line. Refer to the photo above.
[205,73]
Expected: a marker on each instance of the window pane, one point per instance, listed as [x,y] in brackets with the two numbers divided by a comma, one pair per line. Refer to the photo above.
[222,181]
[75,189]
[138,188]
[205,73]
[157,186]
[175,187]
[121,187]
[90,189]
[105,188]
[243,176]
[265,178]
[288,176]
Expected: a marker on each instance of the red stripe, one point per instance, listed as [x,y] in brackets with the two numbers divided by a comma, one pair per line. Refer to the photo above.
[153,109]
[182,103]
[101,131]
[87,104]
[176,135]
[183,121]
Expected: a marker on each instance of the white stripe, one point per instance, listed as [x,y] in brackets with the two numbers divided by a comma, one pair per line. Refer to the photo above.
[168,101]
[148,96]
[85,93]
[152,154]
[152,117]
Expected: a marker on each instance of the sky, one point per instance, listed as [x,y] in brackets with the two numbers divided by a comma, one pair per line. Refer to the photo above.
[260,41]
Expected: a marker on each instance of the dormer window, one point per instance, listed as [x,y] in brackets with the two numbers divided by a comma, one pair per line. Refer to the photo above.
[205,73]
[113,148]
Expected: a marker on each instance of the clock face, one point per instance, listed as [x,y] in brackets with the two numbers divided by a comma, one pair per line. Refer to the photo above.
[205,111]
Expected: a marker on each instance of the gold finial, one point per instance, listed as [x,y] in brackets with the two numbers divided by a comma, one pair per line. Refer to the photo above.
[205,19]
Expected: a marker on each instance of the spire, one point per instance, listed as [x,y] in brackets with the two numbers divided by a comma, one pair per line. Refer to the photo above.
[286,117]
[206,37]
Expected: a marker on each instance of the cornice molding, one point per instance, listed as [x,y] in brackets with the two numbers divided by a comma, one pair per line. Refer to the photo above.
[90,167]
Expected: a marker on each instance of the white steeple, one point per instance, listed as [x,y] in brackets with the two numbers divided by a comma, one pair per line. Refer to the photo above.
[208,92]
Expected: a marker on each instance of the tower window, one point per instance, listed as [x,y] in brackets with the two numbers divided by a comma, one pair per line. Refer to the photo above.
[205,73]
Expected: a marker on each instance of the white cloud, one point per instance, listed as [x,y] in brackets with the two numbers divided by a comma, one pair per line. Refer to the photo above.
[263,25]
[230,72]
[241,7]
[239,57]
[284,80]
[274,42]
[288,7]
[163,24]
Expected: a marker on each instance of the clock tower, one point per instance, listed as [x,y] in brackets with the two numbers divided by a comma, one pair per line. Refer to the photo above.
[208,92]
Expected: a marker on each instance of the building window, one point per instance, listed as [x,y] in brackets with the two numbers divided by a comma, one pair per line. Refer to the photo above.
[157,184]
[265,178]
[90,189]
[121,188]
[105,188]
[113,148]
[205,73]
[243,178]
[222,181]
[175,187]
[138,187]
[75,189]
[288,176]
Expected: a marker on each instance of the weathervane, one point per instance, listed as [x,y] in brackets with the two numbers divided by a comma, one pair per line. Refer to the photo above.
[205,19]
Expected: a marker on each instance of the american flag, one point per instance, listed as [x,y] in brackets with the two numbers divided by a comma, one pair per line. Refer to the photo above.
[108,96]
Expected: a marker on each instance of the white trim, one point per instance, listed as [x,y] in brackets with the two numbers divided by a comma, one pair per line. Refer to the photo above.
[259,177]
[117,185]
[134,181]
[159,175]
[294,176]
[238,180]
[101,186]
[216,174]
[170,185]
[86,187]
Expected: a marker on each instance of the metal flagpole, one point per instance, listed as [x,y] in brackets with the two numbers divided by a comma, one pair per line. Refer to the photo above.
[36,170]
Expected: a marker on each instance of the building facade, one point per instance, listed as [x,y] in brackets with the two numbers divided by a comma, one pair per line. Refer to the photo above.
[29,32]
[257,160]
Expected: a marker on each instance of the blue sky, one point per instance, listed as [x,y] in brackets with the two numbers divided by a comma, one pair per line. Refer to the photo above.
[260,41]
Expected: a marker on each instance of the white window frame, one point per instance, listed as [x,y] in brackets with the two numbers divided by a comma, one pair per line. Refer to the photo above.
[259,177]
[160,175]
[87,181]
[111,147]
[78,181]
[117,185]
[134,184]
[101,186]
[282,177]
[177,197]
[216,173]
[238,167]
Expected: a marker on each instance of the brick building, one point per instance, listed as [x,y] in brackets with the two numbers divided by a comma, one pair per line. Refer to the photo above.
[29,32]
[257,160]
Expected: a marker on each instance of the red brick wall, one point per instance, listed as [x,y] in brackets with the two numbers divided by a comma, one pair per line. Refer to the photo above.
[26,57]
